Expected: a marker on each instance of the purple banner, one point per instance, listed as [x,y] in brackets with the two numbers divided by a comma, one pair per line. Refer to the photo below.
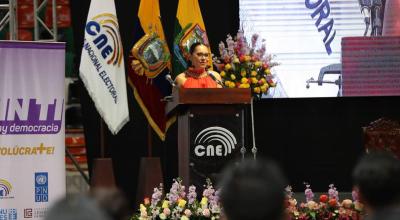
[32,133]
[29,103]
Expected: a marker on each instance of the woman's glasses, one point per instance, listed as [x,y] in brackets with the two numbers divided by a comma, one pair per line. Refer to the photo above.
[205,55]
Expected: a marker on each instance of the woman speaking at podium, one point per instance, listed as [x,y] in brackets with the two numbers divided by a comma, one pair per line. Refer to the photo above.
[198,75]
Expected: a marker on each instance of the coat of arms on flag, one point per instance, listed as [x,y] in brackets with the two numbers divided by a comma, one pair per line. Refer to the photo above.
[189,35]
[189,29]
[151,55]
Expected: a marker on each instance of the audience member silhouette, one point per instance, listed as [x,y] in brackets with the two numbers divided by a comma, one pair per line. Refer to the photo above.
[77,208]
[253,189]
[113,202]
[377,179]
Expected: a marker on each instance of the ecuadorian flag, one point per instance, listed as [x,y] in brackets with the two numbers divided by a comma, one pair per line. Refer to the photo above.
[149,63]
[189,28]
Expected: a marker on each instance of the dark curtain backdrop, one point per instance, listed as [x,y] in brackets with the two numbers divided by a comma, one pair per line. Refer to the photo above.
[220,17]
[316,140]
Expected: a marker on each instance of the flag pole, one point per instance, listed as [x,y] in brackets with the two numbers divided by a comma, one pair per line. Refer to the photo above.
[150,172]
[102,139]
[103,172]
[149,141]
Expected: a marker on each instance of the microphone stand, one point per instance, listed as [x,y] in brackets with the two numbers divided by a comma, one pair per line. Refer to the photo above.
[366,12]
[367,23]
[216,80]
[254,149]
[377,22]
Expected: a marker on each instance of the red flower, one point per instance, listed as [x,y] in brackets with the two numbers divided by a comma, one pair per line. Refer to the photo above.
[242,58]
[227,59]
[332,202]
[220,66]
[323,198]
[146,201]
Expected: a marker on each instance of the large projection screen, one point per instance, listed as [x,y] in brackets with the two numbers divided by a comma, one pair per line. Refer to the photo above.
[296,37]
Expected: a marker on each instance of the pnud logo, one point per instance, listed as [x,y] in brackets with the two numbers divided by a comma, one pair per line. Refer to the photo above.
[5,188]
[41,187]
[214,141]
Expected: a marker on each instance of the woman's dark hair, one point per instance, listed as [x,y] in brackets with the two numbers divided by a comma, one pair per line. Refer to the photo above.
[377,176]
[193,47]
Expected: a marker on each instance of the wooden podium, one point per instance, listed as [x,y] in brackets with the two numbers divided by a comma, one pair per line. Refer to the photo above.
[211,130]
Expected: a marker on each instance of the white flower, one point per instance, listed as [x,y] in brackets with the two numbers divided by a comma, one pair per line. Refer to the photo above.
[188,213]
[166,211]
[215,209]
[347,203]
[312,205]
[162,216]
[206,212]
[292,202]
[156,212]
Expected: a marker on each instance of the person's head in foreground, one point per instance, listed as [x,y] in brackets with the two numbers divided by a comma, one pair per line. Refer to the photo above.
[77,208]
[112,201]
[253,189]
[376,177]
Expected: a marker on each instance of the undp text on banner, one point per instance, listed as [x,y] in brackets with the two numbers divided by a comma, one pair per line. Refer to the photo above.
[102,64]
[149,65]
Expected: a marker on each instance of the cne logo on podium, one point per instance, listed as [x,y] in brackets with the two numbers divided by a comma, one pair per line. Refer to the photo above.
[214,141]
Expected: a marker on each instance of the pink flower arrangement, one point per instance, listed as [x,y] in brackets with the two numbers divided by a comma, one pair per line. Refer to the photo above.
[182,205]
[244,65]
[177,204]
[328,207]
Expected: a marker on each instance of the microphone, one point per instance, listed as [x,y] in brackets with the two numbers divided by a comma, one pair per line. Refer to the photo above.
[377,21]
[170,80]
[366,12]
[216,80]
[169,98]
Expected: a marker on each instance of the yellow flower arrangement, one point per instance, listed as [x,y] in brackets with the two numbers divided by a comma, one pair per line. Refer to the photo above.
[243,65]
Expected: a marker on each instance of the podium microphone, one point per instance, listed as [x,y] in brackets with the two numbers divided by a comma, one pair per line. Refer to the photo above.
[170,80]
[366,12]
[169,98]
[216,80]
